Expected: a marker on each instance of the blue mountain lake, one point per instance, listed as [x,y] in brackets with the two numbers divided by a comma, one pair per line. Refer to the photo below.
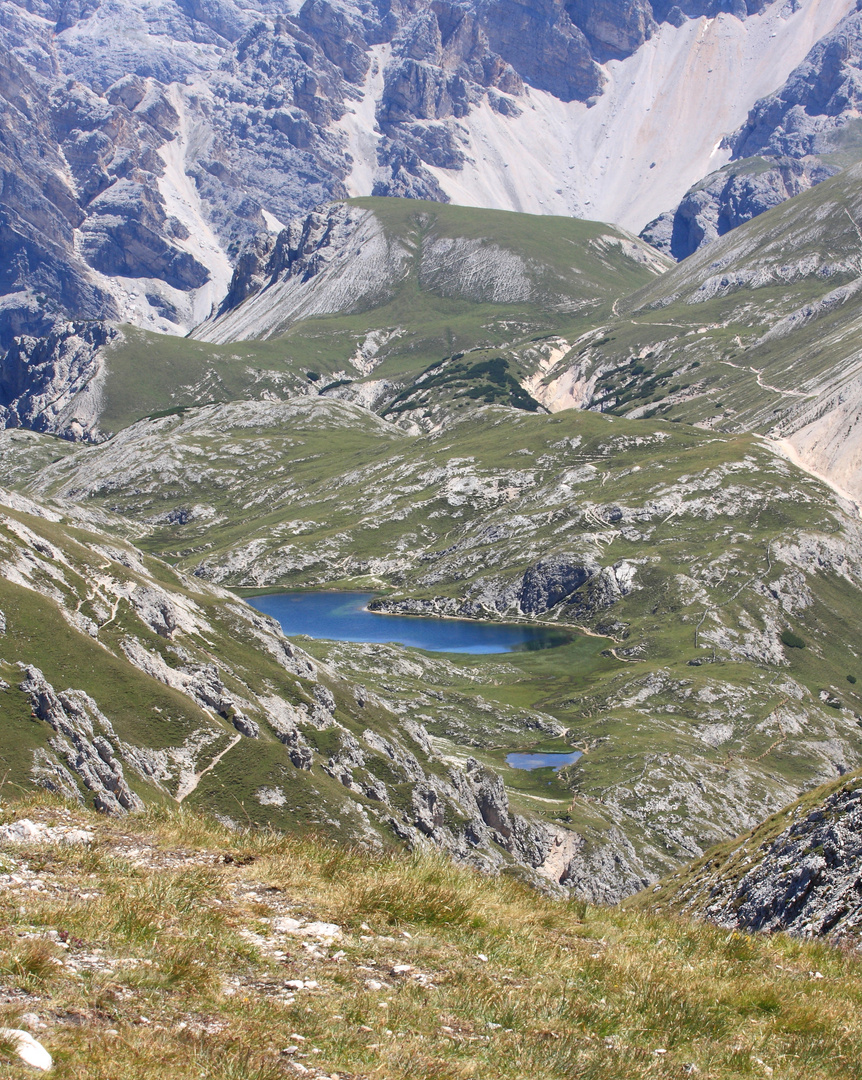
[343,616]
[542,761]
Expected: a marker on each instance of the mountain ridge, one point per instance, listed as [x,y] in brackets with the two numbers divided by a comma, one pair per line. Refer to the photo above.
[165,151]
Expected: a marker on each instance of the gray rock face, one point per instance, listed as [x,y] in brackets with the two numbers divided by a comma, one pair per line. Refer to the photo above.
[550,581]
[92,756]
[106,106]
[41,275]
[614,29]
[806,880]
[52,383]
[301,250]
[821,96]
[728,198]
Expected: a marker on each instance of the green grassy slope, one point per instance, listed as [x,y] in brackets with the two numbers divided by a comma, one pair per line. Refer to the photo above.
[159,673]
[177,957]
[757,331]
[569,270]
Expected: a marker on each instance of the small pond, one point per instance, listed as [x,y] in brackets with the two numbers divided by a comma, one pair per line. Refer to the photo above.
[542,761]
[343,616]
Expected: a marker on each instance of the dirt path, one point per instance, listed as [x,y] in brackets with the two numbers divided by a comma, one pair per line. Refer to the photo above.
[186,789]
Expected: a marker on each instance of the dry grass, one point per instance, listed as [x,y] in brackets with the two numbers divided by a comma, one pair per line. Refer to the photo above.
[170,965]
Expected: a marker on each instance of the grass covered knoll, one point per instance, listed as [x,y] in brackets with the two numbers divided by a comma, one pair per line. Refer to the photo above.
[157,951]
[564,271]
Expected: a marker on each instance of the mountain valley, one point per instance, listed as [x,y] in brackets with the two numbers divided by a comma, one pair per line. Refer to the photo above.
[305,297]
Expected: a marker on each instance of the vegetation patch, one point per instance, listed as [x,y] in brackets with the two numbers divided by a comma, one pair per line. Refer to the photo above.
[173,948]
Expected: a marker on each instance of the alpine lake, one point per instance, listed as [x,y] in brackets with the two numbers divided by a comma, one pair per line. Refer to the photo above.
[527,667]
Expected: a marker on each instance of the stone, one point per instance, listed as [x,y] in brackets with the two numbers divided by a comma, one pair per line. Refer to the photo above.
[30,1050]
[26,831]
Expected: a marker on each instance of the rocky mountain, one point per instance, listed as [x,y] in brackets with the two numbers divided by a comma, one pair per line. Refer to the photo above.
[791,140]
[798,872]
[168,134]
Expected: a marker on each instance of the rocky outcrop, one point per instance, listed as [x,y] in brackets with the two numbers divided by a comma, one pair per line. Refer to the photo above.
[85,739]
[551,581]
[729,198]
[820,98]
[201,682]
[53,383]
[804,880]
[301,250]
[338,258]
[582,587]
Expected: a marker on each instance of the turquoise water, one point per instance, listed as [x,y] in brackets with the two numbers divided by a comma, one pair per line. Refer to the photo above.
[342,616]
[542,761]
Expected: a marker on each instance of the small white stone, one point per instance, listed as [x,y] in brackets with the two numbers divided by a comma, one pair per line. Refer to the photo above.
[286,925]
[27,1048]
[481,956]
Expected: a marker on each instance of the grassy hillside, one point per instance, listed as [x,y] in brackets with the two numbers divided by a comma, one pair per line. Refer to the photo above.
[757,332]
[563,271]
[124,684]
[171,947]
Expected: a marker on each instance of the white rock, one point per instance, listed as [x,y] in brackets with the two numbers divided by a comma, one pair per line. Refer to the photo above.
[26,831]
[324,932]
[27,1048]
[32,1022]
[285,925]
